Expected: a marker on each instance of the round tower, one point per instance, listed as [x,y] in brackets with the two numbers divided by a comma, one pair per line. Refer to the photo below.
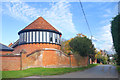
[38,35]
[39,31]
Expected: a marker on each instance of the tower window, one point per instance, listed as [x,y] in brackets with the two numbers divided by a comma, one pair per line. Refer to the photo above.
[50,39]
[51,36]
[55,38]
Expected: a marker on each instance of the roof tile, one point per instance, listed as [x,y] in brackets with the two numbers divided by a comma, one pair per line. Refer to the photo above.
[40,23]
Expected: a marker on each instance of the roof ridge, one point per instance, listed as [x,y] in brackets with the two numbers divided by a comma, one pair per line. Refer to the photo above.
[5,45]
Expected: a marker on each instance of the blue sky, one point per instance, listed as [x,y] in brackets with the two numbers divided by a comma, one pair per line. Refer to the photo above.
[67,17]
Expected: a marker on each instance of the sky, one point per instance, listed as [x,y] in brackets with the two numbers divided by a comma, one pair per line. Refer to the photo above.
[67,17]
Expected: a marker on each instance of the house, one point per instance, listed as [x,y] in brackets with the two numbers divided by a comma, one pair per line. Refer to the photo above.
[5,49]
[39,46]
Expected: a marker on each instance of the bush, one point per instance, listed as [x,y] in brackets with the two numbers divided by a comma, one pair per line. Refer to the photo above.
[82,46]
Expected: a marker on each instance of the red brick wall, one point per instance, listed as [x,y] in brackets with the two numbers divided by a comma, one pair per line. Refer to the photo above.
[5,52]
[50,58]
[64,61]
[34,60]
[45,58]
[10,63]
[33,47]
[77,60]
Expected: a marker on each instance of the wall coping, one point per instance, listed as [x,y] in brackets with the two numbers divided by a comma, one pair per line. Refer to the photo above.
[50,49]
[10,55]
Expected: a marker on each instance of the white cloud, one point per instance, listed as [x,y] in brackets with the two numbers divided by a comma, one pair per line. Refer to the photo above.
[58,15]
[20,10]
[105,38]
[108,13]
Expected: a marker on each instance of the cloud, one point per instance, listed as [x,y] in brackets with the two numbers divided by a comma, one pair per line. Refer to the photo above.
[108,13]
[58,15]
[20,11]
[105,38]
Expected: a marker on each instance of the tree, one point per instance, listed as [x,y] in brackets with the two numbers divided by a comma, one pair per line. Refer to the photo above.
[82,45]
[115,30]
[103,58]
[65,47]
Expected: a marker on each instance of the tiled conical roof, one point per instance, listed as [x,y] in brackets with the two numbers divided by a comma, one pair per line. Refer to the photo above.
[40,23]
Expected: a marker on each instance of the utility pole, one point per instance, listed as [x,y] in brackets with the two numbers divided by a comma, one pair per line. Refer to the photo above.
[91,37]
[119,7]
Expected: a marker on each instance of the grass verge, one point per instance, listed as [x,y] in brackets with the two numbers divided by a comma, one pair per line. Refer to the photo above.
[42,71]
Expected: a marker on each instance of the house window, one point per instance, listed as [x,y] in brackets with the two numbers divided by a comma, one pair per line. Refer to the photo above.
[51,36]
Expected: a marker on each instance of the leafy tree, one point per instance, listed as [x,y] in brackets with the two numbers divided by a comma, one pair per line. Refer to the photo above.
[82,45]
[65,47]
[101,58]
[115,30]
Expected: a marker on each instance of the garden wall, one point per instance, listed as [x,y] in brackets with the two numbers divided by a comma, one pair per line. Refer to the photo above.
[10,62]
[52,59]
[49,58]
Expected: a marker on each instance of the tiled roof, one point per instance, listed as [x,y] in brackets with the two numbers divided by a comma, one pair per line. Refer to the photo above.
[5,48]
[40,23]
[15,44]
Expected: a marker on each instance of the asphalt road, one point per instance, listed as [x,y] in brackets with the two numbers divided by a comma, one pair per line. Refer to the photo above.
[101,71]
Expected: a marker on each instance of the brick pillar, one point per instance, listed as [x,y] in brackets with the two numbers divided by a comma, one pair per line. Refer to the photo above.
[23,63]
[90,61]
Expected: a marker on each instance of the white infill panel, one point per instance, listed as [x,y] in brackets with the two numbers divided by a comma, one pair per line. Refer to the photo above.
[33,36]
[21,37]
[58,38]
[40,36]
[44,36]
[30,36]
[53,37]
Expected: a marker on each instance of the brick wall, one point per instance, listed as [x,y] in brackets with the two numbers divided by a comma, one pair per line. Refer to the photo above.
[33,60]
[52,59]
[77,60]
[10,63]
[5,52]
[35,56]
[33,47]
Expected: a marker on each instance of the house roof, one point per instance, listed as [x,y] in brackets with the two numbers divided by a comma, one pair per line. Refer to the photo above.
[40,23]
[5,48]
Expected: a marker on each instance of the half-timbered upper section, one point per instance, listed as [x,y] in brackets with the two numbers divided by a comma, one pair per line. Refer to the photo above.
[39,31]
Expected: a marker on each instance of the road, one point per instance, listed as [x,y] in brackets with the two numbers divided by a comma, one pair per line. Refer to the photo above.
[101,71]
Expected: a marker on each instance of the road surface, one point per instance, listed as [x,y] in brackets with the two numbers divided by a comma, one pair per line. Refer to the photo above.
[101,71]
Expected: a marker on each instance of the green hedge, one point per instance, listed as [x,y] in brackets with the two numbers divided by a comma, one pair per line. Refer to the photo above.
[115,30]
